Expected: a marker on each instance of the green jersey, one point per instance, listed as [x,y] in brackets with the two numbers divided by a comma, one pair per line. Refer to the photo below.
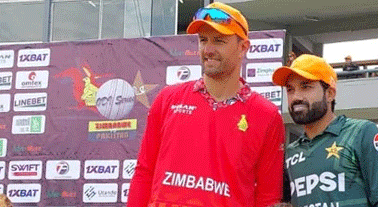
[338,168]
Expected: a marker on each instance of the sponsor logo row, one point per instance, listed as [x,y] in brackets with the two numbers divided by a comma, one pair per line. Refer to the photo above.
[92,193]
[25,58]
[67,169]
[25,80]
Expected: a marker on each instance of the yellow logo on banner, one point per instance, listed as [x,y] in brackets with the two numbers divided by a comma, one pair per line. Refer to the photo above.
[243,124]
[105,126]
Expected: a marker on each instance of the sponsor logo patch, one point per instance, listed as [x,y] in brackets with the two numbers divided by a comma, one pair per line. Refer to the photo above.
[25,170]
[129,168]
[101,169]
[100,193]
[375,142]
[32,79]
[112,130]
[33,57]
[3,147]
[24,193]
[28,124]
[30,102]
[6,58]
[62,169]
[265,48]
[183,73]
[2,170]
[261,72]
[6,80]
[4,103]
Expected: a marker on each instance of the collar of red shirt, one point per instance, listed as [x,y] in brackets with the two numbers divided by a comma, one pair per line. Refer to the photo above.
[243,94]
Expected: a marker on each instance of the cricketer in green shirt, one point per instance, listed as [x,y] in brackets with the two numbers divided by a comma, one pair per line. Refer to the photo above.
[337,168]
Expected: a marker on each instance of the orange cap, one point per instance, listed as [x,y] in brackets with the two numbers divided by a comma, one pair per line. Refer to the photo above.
[227,29]
[308,66]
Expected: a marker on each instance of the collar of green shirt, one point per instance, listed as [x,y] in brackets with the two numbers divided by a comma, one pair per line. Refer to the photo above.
[333,128]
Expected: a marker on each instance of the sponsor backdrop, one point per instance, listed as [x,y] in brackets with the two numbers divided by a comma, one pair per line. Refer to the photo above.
[72,114]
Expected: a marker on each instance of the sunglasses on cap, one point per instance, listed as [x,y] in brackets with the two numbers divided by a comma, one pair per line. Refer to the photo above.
[216,15]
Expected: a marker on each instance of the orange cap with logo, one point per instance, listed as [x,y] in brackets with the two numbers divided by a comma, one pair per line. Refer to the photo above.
[238,27]
[308,66]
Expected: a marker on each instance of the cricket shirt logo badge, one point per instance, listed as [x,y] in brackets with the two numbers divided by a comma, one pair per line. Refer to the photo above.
[243,124]
[333,151]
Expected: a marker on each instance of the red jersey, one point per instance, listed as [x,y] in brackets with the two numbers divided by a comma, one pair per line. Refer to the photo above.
[197,152]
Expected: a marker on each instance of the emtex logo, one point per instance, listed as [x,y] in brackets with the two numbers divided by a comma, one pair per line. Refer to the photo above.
[265,48]
[101,169]
[32,79]
[100,193]
[62,169]
[24,193]
[33,57]
[28,124]
[30,102]
[6,80]
[6,58]
[25,170]
[183,73]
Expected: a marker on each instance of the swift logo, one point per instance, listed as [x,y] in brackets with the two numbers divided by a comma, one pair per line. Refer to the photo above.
[25,170]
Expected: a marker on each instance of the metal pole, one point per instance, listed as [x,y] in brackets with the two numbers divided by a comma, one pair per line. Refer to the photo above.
[46,22]
[100,13]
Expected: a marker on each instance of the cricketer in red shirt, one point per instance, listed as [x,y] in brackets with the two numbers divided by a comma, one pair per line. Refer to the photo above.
[211,142]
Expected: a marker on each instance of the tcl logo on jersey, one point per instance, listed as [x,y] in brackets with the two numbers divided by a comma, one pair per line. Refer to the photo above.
[6,58]
[100,193]
[4,103]
[30,102]
[24,193]
[125,192]
[2,170]
[296,158]
[129,168]
[327,181]
[6,80]
[101,169]
[32,79]
[265,48]
[62,169]
[183,73]
[25,170]
[33,57]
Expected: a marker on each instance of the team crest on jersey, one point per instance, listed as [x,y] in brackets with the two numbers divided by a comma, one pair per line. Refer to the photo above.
[243,124]
[334,151]
[375,142]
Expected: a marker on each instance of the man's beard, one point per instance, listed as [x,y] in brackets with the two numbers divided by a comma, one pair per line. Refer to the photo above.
[314,113]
